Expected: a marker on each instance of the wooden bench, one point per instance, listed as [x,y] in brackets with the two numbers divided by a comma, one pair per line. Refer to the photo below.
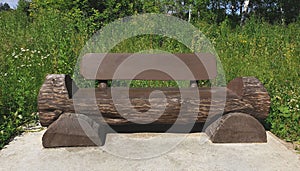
[66,109]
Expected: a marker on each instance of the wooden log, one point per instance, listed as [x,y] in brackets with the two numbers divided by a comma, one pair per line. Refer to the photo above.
[252,91]
[236,128]
[139,99]
[54,100]
[56,92]
[72,130]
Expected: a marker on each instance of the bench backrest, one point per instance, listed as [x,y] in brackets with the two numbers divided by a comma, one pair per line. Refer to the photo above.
[203,66]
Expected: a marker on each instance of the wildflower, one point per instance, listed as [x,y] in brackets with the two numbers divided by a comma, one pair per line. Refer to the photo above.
[23,50]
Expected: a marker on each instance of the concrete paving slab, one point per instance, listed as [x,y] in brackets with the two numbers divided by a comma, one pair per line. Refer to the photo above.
[194,152]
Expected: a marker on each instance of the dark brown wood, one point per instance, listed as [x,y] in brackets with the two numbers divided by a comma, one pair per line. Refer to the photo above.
[53,100]
[252,91]
[236,128]
[139,100]
[76,117]
[56,93]
[101,66]
[194,83]
[102,84]
[72,129]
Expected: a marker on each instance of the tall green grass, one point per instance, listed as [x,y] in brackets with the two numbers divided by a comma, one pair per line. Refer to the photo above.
[272,54]
[33,46]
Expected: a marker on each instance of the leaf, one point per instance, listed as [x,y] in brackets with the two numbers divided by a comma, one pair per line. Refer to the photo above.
[284,109]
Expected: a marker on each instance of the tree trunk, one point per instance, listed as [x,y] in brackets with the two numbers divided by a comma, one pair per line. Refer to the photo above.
[244,11]
[190,13]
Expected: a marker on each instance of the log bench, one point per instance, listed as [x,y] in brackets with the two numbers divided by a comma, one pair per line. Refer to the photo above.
[83,116]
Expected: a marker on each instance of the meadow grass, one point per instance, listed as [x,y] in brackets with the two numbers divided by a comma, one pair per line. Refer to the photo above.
[31,48]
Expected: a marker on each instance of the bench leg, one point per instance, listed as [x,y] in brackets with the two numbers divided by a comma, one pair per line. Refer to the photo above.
[72,130]
[236,128]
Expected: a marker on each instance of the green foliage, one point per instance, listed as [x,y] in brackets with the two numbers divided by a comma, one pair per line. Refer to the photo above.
[270,53]
[33,46]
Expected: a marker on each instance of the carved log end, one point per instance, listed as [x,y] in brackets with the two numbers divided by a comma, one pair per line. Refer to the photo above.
[236,128]
[72,130]
[54,97]
[252,91]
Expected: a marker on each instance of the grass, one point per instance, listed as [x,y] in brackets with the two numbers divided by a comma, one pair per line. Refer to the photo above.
[32,47]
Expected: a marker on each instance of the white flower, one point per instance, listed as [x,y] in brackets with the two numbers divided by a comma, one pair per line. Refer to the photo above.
[23,50]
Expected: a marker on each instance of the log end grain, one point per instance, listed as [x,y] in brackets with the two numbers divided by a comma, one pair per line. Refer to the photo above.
[73,130]
[236,128]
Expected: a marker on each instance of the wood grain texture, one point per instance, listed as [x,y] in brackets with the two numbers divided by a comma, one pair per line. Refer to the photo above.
[54,100]
[54,92]
[252,91]
[236,128]
[74,130]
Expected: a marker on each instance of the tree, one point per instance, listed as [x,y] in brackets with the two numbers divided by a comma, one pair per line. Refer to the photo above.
[289,10]
[4,7]
[23,6]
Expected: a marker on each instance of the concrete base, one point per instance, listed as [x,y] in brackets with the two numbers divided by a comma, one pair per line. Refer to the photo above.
[195,152]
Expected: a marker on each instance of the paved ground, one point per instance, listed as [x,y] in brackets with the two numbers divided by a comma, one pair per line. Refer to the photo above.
[122,152]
